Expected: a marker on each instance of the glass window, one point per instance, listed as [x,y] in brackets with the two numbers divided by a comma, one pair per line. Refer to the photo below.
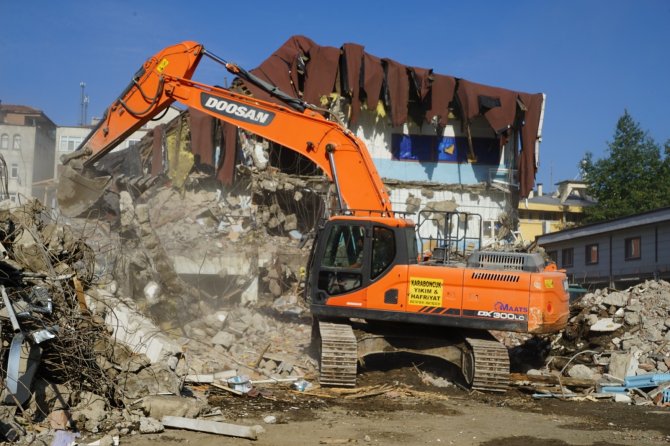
[14,172]
[383,250]
[591,255]
[17,142]
[69,143]
[412,245]
[490,228]
[344,247]
[4,141]
[553,256]
[633,248]
[567,257]
[342,260]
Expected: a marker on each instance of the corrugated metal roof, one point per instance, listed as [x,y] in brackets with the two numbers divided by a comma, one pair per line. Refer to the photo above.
[646,218]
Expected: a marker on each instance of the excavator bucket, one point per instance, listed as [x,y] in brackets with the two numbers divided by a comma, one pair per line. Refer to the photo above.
[77,193]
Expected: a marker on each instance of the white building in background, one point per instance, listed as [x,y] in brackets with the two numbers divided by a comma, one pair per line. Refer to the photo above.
[27,144]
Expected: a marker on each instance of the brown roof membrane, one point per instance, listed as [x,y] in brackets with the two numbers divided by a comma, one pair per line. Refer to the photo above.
[202,144]
[497,105]
[396,90]
[281,68]
[157,150]
[353,64]
[365,75]
[321,73]
[441,94]
[527,162]
[226,169]
[373,78]
[421,79]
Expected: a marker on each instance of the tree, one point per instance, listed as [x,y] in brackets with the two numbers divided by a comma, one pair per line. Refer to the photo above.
[634,177]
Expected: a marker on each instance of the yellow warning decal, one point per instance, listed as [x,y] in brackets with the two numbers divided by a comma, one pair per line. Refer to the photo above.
[548,283]
[425,292]
[161,66]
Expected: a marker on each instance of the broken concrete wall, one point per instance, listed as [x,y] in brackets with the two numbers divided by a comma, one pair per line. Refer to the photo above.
[419,197]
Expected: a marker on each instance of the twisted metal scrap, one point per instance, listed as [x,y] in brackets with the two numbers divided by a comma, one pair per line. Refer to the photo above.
[43,255]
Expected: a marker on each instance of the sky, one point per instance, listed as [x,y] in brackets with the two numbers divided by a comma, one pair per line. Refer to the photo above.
[593,59]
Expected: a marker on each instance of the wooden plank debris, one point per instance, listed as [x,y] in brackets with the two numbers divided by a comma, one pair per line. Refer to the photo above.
[227,388]
[553,379]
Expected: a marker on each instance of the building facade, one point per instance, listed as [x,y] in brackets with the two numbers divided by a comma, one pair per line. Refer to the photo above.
[541,214]
[614,253]
[27,143]
[31,145]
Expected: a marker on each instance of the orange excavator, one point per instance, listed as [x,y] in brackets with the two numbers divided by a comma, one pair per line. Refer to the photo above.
[368,288]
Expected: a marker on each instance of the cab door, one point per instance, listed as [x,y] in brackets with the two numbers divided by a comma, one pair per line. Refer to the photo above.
[387,288]
[340,265]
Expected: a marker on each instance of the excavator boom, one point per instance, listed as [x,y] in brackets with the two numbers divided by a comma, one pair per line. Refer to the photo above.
[166,78]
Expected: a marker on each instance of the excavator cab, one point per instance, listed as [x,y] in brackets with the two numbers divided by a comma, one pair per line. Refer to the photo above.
[353,254]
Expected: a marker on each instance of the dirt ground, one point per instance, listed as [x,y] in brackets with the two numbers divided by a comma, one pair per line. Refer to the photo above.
[392,406]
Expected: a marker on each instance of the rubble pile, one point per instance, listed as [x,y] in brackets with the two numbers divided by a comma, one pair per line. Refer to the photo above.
[255,343]
[52,347]
[128,326]
[92,358]
[636,320]
[612,339]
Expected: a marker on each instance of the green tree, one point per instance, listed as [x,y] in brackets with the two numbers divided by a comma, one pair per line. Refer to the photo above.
[634,177]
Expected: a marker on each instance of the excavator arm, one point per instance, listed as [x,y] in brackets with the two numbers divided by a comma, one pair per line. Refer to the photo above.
[166,78]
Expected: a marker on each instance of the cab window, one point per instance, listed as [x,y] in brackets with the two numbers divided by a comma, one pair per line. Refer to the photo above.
[344,248]
[342,261]
[383,250]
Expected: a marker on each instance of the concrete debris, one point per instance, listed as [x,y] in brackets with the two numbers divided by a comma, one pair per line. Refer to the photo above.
[90,411]
[158,406]
[150,426]
[605,325]
[581,371]
[611,337]
[195,293]
[214,427]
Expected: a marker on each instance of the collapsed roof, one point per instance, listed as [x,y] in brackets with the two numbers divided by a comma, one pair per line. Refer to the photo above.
[309,71]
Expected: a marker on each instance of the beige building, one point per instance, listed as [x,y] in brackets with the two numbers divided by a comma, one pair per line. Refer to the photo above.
[542,214]
[27,144]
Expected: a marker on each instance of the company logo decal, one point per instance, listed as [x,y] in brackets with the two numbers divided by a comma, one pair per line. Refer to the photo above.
[502,306]
[236,110]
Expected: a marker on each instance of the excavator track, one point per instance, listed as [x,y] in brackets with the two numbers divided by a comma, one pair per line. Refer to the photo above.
[339,355]
[489,366]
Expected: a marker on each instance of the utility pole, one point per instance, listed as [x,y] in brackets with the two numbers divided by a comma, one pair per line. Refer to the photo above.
[83,105]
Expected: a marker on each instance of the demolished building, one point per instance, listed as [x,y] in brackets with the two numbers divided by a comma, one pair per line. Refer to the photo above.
[437,140]
[171,243]
[441,143]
